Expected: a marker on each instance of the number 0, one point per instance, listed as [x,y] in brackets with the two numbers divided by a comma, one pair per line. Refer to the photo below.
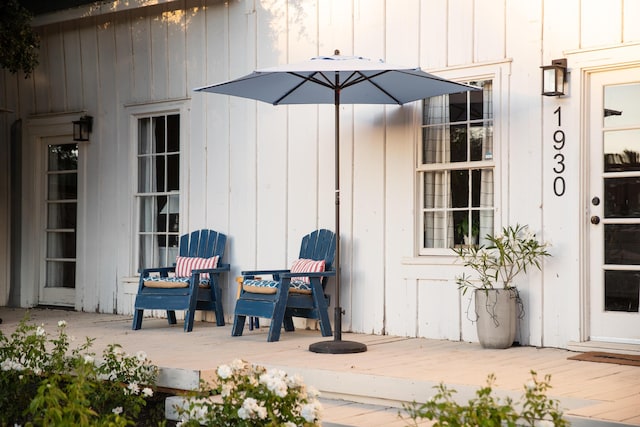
[559,186]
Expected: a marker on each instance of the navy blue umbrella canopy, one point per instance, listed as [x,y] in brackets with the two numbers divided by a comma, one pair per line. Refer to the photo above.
[338,80]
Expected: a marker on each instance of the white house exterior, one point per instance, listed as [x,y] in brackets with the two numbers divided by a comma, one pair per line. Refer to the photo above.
[263,175]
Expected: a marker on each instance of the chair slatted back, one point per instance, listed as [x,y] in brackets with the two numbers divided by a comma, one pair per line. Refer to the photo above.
[203,244]
[320,244]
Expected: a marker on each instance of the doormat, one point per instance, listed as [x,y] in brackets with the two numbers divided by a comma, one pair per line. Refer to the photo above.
[597,356]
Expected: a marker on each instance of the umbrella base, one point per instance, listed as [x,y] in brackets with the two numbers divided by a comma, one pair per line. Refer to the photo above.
[338,347]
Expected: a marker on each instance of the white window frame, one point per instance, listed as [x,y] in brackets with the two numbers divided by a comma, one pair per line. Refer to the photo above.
[498,73]
[134,113]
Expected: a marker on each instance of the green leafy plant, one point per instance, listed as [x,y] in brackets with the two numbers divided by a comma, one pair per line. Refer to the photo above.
[533,409]
[18,41]
[507,254]
[463,228]
[43,381]
[247,395]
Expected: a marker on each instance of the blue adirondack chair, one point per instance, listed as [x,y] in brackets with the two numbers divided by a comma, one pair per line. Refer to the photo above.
[158,290]
[286,295]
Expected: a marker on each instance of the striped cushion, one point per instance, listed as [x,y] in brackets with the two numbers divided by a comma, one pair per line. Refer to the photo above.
[171,282]
[303,265]
[271,286]
[185,264]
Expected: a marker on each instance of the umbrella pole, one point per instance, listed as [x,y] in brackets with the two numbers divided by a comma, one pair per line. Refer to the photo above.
[337,346]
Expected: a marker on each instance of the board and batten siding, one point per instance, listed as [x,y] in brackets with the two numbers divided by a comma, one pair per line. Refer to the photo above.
[264,175]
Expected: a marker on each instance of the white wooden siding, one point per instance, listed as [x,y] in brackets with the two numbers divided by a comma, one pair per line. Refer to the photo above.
[264,174]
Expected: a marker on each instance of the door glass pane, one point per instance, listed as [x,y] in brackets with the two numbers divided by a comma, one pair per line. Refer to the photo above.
[621,244]
[621,106]
[63,157]
[621,291]
[622,197]
[622,150]
[61,274]
[61,215]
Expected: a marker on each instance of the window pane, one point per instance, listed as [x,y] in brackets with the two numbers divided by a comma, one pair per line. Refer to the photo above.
[173,133]
[145,174]
[435,148]
[621,244]
[63,186]
[458,143]
[61,274]
[458,107]
[620,105]
[61,245]
[476,105]
[173,172]
[434,230]
[460,188]
[61,215]
[147,214]
[63,157]
[621,291]
[481,136]
[434,190]
[144,142]
[159,133]
[484,190]
[621,197]
[160,172]
[622,150]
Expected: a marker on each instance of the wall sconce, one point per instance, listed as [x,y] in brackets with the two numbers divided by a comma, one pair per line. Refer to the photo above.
[82,128]
[553,77]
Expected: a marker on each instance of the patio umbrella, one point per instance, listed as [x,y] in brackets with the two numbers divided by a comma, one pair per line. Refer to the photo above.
[338,80]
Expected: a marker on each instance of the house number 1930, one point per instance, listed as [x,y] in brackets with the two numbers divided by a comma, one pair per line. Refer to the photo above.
[558,168]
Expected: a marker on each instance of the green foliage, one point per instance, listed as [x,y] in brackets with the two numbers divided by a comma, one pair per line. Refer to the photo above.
[508,253]
[45,382]
[252,396]
[533,409]
[18,42]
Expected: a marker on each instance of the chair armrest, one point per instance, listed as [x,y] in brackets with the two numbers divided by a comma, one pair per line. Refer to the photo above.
[220,269]
[307,274]
[164,271]
[260,272]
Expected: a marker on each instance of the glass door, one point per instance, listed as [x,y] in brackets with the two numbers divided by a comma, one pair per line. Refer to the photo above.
[614,244]
[61,201]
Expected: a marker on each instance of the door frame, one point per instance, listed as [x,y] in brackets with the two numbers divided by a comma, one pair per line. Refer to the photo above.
[32,234]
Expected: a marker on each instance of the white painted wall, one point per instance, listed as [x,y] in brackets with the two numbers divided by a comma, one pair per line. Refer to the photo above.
[264,174]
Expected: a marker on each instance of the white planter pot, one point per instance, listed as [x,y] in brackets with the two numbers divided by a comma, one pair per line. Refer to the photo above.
[496,311]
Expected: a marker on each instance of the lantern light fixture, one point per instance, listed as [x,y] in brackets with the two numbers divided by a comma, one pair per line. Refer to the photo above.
[554,77]
[82,128]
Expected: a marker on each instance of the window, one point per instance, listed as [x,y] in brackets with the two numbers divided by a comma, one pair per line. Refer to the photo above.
[455,170]
[158,189]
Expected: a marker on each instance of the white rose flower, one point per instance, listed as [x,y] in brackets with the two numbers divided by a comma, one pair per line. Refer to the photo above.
[141,356]
[117,410]
[224,371]
[147,392]
[62,323]
[40,331]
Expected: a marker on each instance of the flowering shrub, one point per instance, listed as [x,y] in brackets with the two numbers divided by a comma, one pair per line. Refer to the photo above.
[508,254]
[252,396]
[45,382]
[533,409]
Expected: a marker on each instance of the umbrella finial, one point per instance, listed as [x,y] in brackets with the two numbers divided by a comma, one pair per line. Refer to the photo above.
[336,52]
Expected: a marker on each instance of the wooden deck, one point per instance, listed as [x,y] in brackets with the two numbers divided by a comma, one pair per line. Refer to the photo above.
[363,389]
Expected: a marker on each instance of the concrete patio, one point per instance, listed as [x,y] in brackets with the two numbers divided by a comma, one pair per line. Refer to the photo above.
[363,389]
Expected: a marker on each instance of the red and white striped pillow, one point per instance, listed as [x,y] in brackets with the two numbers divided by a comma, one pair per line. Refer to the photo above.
[185,264]
[303,265]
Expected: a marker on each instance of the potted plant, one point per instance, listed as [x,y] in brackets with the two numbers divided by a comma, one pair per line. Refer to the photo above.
[468,235]
[506,255]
